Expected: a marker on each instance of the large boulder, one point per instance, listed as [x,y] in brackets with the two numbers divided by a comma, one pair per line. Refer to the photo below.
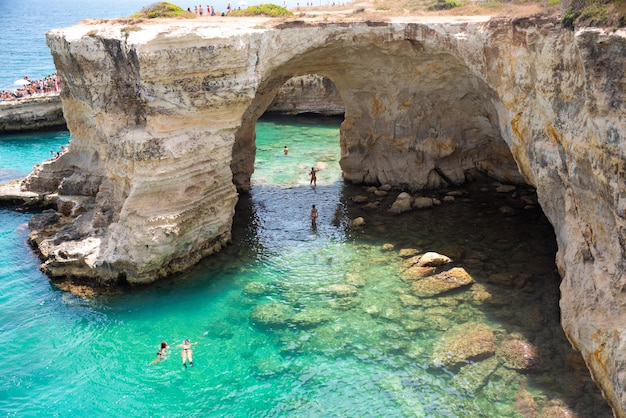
[440,283]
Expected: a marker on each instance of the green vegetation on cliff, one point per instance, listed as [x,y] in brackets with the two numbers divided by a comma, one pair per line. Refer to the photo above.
[161,9]
[611,13]
[262,10]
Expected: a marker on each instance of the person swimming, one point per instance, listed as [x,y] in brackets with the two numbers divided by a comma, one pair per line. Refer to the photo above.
[161,353]
[187,353]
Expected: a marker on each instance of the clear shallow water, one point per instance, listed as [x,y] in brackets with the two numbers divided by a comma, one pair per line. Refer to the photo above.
[366,355]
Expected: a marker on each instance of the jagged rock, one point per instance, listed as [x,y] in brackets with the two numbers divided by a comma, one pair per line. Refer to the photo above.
[469,341]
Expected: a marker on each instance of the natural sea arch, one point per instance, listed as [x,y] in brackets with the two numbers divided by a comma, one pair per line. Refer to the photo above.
[151,185]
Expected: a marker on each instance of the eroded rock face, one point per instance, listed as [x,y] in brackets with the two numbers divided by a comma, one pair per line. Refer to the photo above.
[162,120]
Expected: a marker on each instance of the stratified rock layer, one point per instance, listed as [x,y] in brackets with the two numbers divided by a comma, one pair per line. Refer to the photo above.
[162,116]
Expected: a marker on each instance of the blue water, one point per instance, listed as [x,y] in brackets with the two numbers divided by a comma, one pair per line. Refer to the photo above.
[23,24]
[273,340]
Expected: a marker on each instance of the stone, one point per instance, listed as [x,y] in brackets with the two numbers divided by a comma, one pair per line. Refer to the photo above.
[423,202]
[446,281]
[255,289]
[417,272]
[519,354]
[339,290]
[356,222]
[388,247]
[272,314]
[403,203]
[360,199]
[505,188]
[433,259]
[408,252]
[470,341]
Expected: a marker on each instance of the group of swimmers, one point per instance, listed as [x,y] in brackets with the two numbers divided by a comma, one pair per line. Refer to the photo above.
[186,353]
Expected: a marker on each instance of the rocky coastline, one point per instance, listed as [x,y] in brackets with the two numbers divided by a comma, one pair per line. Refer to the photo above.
[525,101]
[31,114]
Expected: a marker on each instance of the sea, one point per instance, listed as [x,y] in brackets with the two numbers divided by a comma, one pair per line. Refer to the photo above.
[291,319]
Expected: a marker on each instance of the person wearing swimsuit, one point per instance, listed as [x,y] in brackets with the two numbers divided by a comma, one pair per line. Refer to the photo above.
[187,354]
[161,354]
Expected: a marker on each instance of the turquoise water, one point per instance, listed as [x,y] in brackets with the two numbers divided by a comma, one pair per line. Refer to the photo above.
[273,339]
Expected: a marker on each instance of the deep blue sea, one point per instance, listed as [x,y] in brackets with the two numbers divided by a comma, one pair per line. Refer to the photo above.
[290,320]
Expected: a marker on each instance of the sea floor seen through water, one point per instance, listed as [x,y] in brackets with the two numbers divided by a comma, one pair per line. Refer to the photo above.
[293,319]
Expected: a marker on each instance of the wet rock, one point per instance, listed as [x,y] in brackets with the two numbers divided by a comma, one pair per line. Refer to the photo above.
[505,188]
[360,199]
[373,311]
[271,314]
[423,202]
[357,222]
[472,377]
[409,301]
[354,279]
[380,193]
[557,411]
[385,187]
[518,354]
[403,203]
[308,318]
[433,259]
[408,252]
[448,199]
[525,404]
[371,189]
[388,247]
[339,290]
[443,282]
[470,341]
[506,210]
[255,289]
[417,273]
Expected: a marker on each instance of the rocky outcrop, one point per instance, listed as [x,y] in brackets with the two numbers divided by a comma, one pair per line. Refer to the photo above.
[162,116]
[32,114]
[308,94]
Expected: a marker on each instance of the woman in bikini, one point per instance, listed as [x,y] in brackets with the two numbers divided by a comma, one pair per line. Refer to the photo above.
[187,354]
[161,354]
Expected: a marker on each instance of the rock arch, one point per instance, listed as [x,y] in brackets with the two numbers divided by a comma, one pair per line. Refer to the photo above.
[155,183]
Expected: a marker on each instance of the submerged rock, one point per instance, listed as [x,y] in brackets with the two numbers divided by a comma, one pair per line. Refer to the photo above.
[271,314]
[462,343]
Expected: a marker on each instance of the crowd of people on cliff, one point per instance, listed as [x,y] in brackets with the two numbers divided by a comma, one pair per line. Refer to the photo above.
[209,11]
[31,88]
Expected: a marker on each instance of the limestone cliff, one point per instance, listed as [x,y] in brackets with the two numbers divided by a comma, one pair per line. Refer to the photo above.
[162,117]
